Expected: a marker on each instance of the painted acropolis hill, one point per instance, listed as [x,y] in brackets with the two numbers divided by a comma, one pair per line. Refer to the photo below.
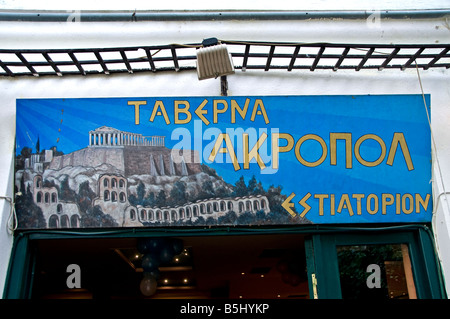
[129,155]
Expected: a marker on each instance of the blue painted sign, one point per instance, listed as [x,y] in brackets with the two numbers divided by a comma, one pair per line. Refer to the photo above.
[242,160]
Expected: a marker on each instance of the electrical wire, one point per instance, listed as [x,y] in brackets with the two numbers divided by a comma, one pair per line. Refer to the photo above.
[11,223]
[444,192]
[432,136]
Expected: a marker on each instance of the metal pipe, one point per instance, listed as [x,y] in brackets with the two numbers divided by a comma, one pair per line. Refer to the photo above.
[223,85]
[135,16]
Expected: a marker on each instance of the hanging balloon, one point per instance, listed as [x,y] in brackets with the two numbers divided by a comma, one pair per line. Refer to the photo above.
[287,278]
[177,245]
[143,245]
[295,280]
[150,262]
[154,273]
[166,254]
[148,285]
[156,244]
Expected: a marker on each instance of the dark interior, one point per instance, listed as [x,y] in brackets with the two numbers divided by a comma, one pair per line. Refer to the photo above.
[244,266]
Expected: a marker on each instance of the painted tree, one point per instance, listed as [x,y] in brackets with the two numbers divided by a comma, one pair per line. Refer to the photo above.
[161,199]
[178,194]
[240,188]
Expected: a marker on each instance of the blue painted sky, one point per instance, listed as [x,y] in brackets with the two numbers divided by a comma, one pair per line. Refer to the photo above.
[65,123]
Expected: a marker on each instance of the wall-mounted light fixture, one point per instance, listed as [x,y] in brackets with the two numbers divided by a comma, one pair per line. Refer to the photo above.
[213,60]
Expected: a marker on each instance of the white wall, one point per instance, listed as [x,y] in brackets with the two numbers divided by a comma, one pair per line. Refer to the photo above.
[65,35]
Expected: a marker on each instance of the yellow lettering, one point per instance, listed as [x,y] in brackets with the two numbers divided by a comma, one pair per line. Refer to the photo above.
[159,105]
[421,202]
[400,138]
[386,199]
[358,154]
[136,109]
[200,111]
[217,110]
[348,148]
[259,102]
[288,205]
[358,198]
[398,201]
[332,204]
[315,138]
[248,156]
[321,197]
[184,110]
[368,206]
[303,203]
[411,204]
[235,106]
[345,203]
[276,149]
[228,149]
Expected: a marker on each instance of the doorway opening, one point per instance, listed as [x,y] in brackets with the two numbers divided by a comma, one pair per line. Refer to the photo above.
[257,266]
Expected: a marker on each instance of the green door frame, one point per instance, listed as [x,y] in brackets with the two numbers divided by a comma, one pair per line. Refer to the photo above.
[322,260]
[19,277]
[319,245]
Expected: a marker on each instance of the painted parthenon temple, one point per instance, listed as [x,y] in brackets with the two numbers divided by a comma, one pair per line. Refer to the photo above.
[110,137]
